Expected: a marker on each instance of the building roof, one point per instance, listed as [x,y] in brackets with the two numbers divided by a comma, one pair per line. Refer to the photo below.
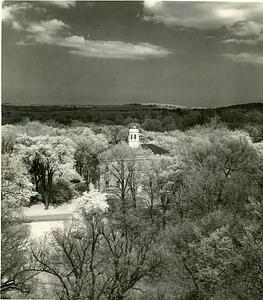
[155,149]
[134,126]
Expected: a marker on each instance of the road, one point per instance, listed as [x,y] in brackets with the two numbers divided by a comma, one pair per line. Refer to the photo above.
[49,218]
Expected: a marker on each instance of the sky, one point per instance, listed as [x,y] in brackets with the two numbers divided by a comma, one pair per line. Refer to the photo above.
[195,54]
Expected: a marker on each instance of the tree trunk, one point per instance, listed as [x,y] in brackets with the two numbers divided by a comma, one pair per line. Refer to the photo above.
[92,255]
[164,210]
[46,199]
[48,186]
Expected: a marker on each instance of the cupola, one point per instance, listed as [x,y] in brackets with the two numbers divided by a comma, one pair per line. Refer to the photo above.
[134,135]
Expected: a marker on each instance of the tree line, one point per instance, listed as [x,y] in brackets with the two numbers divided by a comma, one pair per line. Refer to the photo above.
[151,117]
[186,225]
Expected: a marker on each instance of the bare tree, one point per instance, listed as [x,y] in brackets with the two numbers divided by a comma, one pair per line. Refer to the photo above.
[100,256]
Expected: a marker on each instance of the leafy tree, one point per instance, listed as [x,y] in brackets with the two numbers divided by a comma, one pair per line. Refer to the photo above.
[192,118]
[162,179]
[16,271]
[251,242]
[73,257]
[116,133]
[88,146]
[134,254]
[168,123]
[86,158]
[152,125]
[16,187]
[255,131]
[204,254]
[128,121]
[47,158]
[209,241]
[35,129]
[8,138]
[218,256]
[94,258]
[62,191]
[219,162]
[121,169]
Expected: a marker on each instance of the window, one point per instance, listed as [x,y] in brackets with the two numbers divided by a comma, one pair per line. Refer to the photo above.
[107,183]
[131,136]
[135,136]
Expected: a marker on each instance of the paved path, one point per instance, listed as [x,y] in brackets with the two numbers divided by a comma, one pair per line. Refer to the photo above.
[47,218]
[40,220]
[37,213]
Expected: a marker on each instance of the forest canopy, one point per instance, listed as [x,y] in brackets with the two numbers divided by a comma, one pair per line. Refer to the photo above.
[184,225]
[151,117]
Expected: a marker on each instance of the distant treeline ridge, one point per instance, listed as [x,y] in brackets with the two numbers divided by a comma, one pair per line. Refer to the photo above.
[151,117]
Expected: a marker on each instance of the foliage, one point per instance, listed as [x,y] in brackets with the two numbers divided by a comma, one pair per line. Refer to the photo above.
[185,225]
[91,206]
[35,129]
[134,253]
[154,117]
[116,133]
[152,125]
[161,180]
[62,191]
[86,157]
[8,138]
[16,187]
[48,159]
[96,257]
[207,241]
[121,168]
[16,272]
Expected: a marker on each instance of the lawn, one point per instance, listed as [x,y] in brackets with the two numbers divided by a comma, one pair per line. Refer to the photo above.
[37,213]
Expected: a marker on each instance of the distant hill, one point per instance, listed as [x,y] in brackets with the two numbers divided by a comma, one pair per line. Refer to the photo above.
[151,116]
[171,106]
[247,106]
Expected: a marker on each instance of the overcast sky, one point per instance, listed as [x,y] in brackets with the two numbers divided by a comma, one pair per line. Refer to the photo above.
[182,53]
